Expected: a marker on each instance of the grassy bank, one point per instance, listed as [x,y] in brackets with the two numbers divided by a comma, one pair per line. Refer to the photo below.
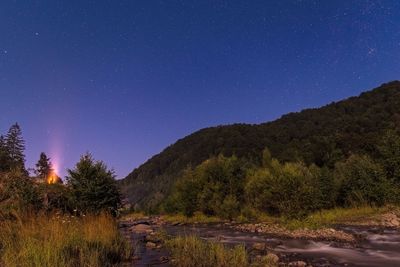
[191,251]
[320,219]
[63,241]
[327,218]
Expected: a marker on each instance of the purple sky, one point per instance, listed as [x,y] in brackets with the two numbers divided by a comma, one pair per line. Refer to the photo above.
[124,79]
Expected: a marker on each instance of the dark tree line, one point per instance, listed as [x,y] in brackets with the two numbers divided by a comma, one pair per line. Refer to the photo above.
[229,187]
[90,186]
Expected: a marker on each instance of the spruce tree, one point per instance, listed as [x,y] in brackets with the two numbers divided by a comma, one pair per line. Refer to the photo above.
[4,158]
[93,186]
[15,146]
[43,166]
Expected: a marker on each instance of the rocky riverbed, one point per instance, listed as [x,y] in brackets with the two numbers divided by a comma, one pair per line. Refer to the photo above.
[377,244]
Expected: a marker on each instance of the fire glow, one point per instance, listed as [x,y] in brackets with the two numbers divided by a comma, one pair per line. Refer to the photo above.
[52,178]
[55,153]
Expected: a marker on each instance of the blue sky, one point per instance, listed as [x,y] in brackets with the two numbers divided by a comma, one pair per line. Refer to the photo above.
[124,79]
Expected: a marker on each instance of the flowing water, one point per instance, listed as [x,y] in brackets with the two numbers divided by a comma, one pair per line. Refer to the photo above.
[377,247]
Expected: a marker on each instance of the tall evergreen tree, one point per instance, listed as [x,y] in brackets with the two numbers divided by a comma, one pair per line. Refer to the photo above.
[15,146]
[4,158]
[43,166]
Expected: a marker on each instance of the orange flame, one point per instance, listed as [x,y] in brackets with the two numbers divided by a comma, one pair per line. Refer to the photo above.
[52,178]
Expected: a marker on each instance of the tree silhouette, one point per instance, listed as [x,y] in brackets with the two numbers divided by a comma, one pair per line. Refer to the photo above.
[15,147]
[43,166]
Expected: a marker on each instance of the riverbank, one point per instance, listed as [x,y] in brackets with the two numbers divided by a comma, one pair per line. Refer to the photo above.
[339,231]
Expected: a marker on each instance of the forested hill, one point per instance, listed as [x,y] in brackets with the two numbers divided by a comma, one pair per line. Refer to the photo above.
[322,135]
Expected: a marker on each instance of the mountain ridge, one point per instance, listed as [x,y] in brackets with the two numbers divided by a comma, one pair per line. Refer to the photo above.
[321,135]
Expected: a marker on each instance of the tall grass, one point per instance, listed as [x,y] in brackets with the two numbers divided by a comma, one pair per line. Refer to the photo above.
[62,241]
[197,217]
[327,218]
[190,251]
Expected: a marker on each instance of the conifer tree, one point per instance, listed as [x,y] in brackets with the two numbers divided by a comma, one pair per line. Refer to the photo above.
[15,146]
[43,166]
[4,158]
[93,186]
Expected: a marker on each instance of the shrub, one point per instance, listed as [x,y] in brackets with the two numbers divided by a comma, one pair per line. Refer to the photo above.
[287,189]
[18,192]
[215,187]
[362,181]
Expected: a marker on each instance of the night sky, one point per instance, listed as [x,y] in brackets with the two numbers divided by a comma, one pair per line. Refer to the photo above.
[124,79]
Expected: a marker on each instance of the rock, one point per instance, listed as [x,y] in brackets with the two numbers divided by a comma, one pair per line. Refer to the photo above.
[297,264]
[390,219]
[141,222]
[272,258]
[164,259]
[151,245]
[259,246]
[152,238]
[141,228]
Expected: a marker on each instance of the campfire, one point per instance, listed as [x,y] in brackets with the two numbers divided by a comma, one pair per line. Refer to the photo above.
[53,178]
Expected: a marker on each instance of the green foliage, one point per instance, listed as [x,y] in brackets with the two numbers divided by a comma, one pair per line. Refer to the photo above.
[56,197]
[389,150]
[17,192]
[93,186]
[362,181]
[284,189]
[322,136]
[215,187]
[230,207]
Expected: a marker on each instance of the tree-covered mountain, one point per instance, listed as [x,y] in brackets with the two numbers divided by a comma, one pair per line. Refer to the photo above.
[322,136]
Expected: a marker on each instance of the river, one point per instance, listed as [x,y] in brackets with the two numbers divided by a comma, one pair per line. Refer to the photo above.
[375,246]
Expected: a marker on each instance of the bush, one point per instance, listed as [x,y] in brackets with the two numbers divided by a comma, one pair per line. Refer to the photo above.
[287,189]
[215,187]
[230,208]
[56,197]
[18,192]
[362,181]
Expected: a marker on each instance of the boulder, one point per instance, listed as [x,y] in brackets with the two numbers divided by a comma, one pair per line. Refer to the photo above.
[259,246]
[151,245]
[141,228]
[298,264]
[272,258]
[391,219]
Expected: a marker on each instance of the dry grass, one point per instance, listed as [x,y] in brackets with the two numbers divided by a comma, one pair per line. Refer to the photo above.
[326,218]
[197,217]
[63,241]
[190,251]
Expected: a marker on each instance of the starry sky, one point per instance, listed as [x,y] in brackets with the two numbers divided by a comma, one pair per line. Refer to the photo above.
[124,79]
